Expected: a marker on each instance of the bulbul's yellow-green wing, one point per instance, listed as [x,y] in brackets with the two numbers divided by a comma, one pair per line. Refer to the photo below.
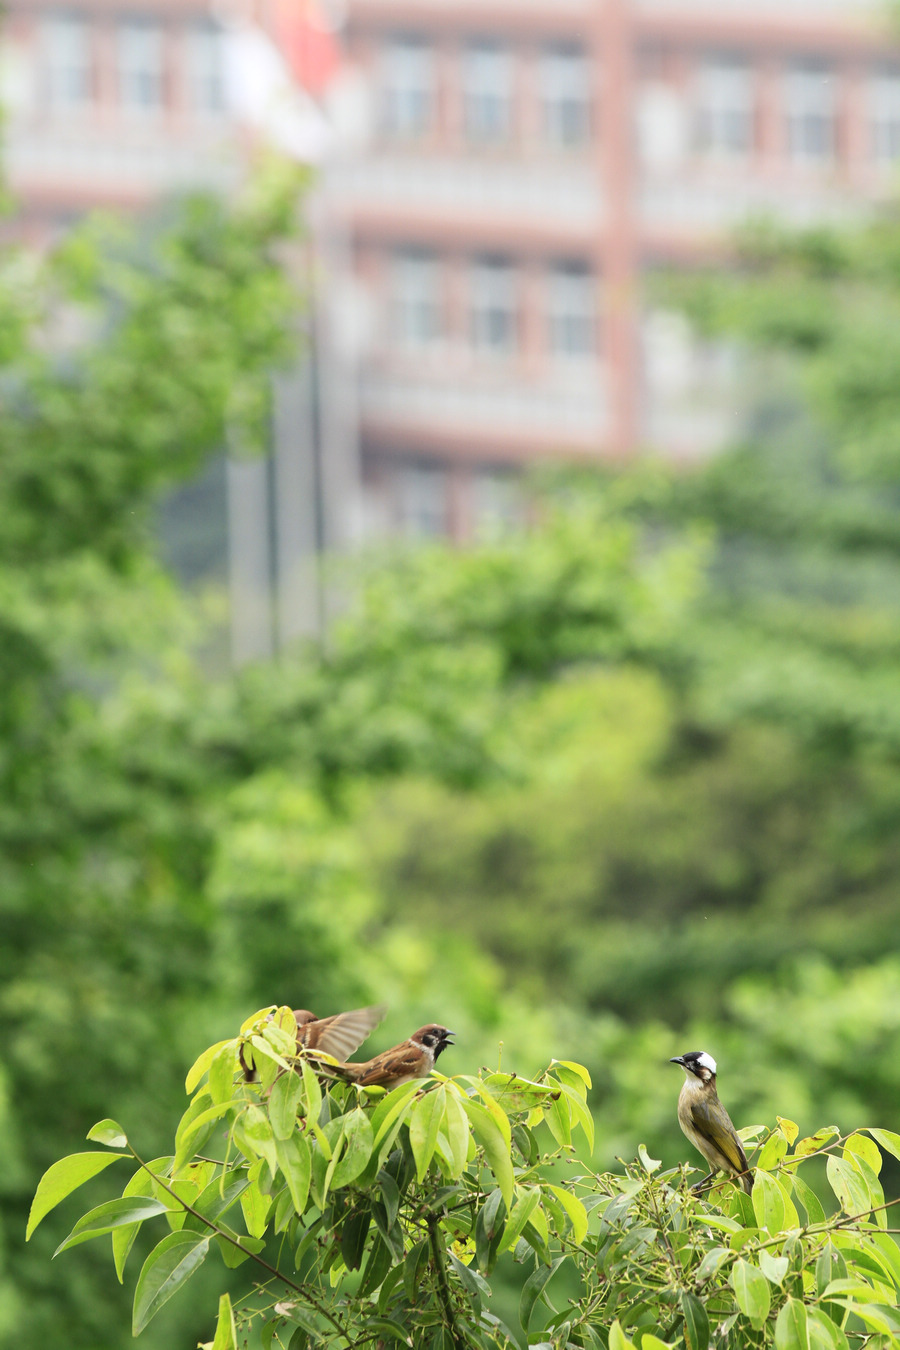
[712,1121]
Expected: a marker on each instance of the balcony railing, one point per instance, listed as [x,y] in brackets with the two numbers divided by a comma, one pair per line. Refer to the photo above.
[453,186]
[529,409]
[91,164]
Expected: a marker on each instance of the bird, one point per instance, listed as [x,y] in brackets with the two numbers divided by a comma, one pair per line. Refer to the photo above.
[338,1035]
[403,1063]
[706,1123]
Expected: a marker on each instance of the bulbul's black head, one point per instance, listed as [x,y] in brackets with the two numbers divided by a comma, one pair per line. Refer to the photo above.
[697,1063]
[437,1038]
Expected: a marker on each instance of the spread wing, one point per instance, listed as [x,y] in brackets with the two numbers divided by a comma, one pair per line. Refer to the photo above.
[712,1121]
[345,1032]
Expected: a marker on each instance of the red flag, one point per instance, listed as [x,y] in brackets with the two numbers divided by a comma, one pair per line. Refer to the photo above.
[307,41]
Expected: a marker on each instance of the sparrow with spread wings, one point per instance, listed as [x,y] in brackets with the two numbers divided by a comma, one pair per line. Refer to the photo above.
[339,1035]
[403,1063]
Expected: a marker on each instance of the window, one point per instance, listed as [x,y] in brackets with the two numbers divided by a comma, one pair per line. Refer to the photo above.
[408,83]
[884,114]
[570,310]
[565,92]
[66,44]
[423,500]
[140,57]
[205,68]
[724,106]
[415,298]
[493,306]
[810,110]
[487,92]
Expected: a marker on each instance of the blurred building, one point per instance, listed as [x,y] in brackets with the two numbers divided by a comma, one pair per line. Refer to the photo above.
[532,162]
[517,169]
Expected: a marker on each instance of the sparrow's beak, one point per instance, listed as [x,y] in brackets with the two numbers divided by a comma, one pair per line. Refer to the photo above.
[677,1059]
[447,1035]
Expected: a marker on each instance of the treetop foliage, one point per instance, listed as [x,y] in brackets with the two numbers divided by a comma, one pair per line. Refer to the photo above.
[370,1217]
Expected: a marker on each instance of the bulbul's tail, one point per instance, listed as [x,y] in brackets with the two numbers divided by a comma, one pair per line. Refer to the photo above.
[746,1179]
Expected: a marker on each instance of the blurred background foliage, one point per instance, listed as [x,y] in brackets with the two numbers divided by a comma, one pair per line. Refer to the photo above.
[616,787]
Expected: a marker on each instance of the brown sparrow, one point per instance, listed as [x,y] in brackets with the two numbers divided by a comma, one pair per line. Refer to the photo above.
[338,1035]
[403,1063]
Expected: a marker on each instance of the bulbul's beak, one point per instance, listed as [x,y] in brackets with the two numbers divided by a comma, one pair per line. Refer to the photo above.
[677,1059]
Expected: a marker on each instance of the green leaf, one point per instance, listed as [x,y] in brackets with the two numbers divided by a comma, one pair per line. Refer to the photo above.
[193,1127]
[219,1195]
[848,1185]
[814,1142]
[559,1120]
[284,1102]
[696,1322]
[752,1291]
[489,1228]
[579,1114]
[295,1160]
[392,1105]
[222,1069]
[789,1128]
[235,1255]
[123,1238]
[768,1202]
[809,1200]
[255,1207]
[312,1095]
[533,1289]
[711,1262]
[772,1152]
[773,1267]
[824,1333]
[527,1202]
[578,1069]
[516,1094]
[62,1179]
[617,1338]
[114,1214]
[108,1132]
[226,1334]
[456,1128]
[202,1063]
[358,1143]
[650,1165]
[858,1145]
[496,1150]
[165,1270]
[791,1328]
[496,1112]
[888,1140]
[474,1284]
[575,1210]
[414,1268]
[381,1260]
[354,1231]
[253,1136]
[424,1123]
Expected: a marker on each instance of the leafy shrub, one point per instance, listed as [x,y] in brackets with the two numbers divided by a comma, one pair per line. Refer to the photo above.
[369,1217]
